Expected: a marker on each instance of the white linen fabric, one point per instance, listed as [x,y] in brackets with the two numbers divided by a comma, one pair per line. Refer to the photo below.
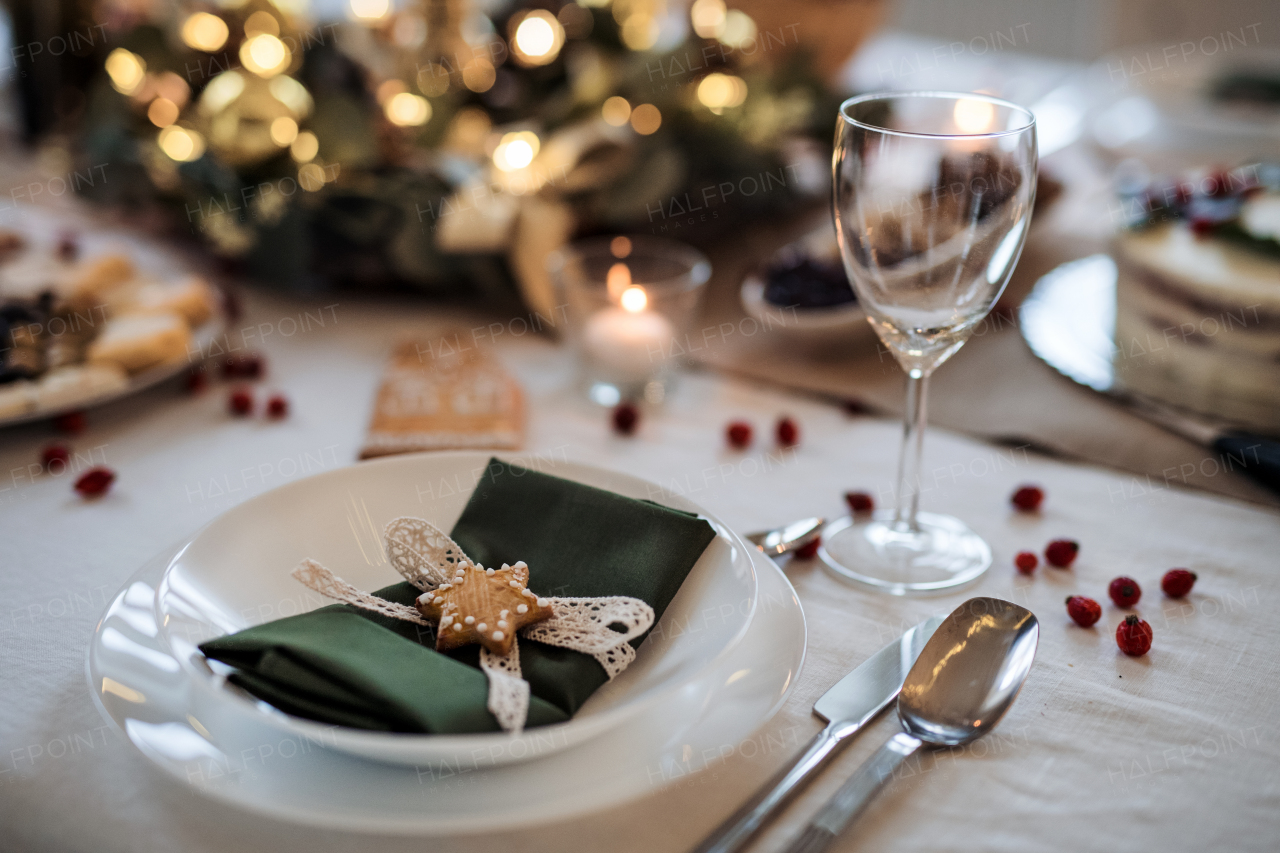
[1173,751]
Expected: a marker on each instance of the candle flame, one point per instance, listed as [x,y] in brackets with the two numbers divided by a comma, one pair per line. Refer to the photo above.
[634,299]
[974,116]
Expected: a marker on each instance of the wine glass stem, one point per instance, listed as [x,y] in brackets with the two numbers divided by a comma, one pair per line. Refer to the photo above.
[913,422]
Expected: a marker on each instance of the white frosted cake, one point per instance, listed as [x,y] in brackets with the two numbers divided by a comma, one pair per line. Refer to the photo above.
[1198,313]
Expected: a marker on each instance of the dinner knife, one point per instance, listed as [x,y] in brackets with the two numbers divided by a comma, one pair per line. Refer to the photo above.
[854,701]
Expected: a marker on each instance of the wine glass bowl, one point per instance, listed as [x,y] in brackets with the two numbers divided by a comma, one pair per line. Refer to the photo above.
[932,198]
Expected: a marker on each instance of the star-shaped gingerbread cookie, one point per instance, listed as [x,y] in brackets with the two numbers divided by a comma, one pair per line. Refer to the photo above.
[485,606]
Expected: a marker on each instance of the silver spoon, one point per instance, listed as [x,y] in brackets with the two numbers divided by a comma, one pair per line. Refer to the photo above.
[782,540]
[966,677]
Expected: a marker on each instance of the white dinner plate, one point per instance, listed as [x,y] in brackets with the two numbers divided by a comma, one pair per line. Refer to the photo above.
[238,758]
[235,574]
[42,227]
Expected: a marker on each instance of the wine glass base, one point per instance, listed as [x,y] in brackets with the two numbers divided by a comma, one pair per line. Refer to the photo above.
[943,553]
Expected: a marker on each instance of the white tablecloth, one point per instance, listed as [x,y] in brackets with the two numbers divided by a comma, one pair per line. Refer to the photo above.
[1173,751]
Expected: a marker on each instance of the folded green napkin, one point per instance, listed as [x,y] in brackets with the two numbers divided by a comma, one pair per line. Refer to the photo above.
[348,666]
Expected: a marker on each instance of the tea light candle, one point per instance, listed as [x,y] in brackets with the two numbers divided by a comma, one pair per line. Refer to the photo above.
[629,342]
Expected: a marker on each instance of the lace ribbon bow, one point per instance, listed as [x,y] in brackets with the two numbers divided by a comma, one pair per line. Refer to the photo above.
[427,558]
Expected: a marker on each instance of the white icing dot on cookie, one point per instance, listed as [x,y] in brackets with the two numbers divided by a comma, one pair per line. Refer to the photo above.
[457,626]
[542,602]
[505,567]
[482,627]
[498,636]
[470,620]
[523,608]
[502,614]
[502,623]
[522,565]
[438,599]
[527,593]
[515,584]
[488,571]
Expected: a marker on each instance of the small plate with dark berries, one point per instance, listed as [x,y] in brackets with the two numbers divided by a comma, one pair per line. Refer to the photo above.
[802,291]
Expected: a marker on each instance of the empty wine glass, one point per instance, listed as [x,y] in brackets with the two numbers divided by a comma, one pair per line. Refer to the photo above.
[932,199]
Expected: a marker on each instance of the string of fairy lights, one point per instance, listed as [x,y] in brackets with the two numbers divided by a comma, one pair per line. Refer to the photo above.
[268,45]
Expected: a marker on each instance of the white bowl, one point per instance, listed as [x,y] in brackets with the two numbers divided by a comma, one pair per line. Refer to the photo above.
[837,324]
[235,574]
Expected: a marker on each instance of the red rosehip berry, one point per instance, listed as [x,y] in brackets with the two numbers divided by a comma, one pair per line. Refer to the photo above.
[1125,592]
[68,247]
[240,402]
[277,407]
[1177,582]
[249,365]
[809,551]
[788,432]
[197,380]
[739,435]
[1026,562]
[1084,611]
[1133,636]
[625,418]
[1202,226]
[72,423]
[55,455]
[1061,553]
[859,502]
[1028,498]
[95,481]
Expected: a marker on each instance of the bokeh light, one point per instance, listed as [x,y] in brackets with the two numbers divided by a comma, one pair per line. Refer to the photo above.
[221,91]
[707,17]
[537,38]
[738,30]
[433,79]
[718,91]
[261,22]
[181,143]
[478,74]
[305,147]
[369,10]
[640,31]
[205,32]
[264,55]
[409,31]
[292,94]
[311,177]
[646,119]
[407,110]
[126,69]
[616,111]
[162,112]
[284,131]
[516,150]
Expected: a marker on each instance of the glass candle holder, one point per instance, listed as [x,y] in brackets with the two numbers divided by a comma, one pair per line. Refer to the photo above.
[629,302]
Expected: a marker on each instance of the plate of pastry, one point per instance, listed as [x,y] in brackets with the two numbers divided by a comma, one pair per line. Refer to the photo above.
[1185,309]
[89,315]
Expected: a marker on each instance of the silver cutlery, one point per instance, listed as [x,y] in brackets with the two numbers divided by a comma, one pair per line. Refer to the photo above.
[791,537]
[853,702]
[962,683]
